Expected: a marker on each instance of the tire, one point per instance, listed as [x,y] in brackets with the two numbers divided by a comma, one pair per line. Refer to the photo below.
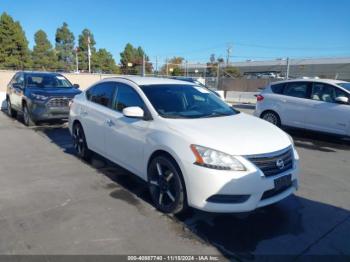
[12,113]
[272,117]
[166,185]
[27,118]
[79,142]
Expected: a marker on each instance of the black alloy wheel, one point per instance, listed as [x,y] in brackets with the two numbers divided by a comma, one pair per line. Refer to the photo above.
[79,142]
[10,111]
[166,185]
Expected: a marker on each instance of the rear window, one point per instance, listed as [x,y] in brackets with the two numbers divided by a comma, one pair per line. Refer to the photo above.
[277,88]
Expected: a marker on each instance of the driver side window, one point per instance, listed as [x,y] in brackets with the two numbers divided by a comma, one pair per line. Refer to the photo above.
[326,93]
[127,97]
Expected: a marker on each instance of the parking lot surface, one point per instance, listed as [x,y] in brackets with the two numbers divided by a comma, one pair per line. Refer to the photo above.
[53,203]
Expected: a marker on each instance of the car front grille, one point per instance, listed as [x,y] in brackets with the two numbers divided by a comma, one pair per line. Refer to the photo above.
[275,163]
[59,102]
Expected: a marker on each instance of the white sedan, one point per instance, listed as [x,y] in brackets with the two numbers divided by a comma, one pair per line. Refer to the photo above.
[319,105]
[190,146]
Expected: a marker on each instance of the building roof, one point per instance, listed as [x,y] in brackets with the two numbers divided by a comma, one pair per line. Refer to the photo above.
[144,80]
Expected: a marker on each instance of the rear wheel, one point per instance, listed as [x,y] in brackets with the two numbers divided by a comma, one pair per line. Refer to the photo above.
[10,111]
[272,117]
[28,121]
[166,185]
[79,142]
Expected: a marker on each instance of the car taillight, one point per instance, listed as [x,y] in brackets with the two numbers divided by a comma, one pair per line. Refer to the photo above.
[259,98]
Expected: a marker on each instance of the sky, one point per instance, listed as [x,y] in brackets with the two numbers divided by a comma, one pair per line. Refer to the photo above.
[194,29]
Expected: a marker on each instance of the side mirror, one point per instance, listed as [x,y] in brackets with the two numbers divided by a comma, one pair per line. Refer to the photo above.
[342,100]
[76,86]
[133,112]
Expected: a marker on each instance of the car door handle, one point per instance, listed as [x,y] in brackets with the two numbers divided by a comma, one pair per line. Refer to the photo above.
[83,113]
[109,122]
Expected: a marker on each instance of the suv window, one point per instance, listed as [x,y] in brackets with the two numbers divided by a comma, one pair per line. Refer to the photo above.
[126,97]
[326,93]
[297,89]
[19,79]
[278,88]
[102,93]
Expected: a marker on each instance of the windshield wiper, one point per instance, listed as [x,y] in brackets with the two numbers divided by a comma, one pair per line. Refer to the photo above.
[215,114]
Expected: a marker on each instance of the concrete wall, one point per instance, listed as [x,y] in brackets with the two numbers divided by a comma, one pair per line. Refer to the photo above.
[84,80]
[242,85]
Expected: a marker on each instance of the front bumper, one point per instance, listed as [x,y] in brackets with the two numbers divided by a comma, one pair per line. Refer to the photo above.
[41,111]
[203,183]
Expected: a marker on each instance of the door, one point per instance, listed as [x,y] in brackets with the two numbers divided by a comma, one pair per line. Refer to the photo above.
[294,103]
[126,137]
[93,114]
[326,114]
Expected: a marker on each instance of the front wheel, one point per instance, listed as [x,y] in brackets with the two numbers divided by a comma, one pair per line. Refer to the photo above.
[79,142]
[166,185]
[272,117]
[12,113]
[28,121]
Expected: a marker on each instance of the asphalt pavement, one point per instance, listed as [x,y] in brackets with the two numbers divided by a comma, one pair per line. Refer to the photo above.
[53,203]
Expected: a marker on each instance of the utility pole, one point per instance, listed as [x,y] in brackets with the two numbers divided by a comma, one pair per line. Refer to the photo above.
[287,73]
[157,65]
[89,53]
[218,76]
[167,66]
[143,65]
[186,68]
[76,59]
[228,51]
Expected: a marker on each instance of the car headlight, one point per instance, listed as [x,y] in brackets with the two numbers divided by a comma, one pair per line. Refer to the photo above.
[39,97]
[210,158]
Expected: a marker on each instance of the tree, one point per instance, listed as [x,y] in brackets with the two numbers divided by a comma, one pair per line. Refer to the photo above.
[231,71]
[65,47]
[43,55]
[174,67]
[83,48]
[104,62]
[134,57]
[14,51]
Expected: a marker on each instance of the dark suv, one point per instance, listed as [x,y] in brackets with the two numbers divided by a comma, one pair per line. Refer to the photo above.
[40,96]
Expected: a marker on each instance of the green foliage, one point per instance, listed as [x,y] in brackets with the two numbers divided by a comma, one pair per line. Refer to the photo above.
[83,49]
[231,71]
[14,52]
[65,47]
[174,67]
[103,62]
[43,56]
[135,57]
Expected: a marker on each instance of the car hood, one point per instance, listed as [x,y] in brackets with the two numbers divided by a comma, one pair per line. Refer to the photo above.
[69,92]
[239,134]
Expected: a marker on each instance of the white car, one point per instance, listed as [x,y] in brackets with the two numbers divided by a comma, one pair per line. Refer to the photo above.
[190,146]
[316,104]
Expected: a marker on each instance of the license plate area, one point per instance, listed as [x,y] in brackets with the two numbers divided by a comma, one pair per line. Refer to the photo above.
[283,182]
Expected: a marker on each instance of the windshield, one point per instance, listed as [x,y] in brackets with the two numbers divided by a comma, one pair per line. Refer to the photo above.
[345,85]
[186,101]
[47,81]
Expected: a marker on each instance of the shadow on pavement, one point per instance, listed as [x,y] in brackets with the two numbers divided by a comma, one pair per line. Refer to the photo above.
[293,226]
[318,141]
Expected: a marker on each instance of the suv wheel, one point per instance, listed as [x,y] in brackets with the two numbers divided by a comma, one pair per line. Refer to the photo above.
[10,111]
[272,117]
[79,142]
[28,121]
[166,185]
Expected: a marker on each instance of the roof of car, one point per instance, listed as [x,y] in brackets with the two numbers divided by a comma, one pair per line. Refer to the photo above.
[140,80]
[40,72]
[326,81]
